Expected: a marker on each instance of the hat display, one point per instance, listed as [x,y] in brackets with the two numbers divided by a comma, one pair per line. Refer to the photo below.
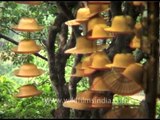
[121,24]
[119,84]
[122,60]
[27,25]
[135,42]
[99,60]
[28,70]
[98,32]
[99,85]
[28,91]
[85,46]
[29,2]
[27,47]
[124,112]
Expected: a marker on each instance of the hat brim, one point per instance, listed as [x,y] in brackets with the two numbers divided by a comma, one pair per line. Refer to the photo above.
[37,49]
[78,75]
[27,30]
[113,30]
[115,66]
[76,105]
[16,73]
[89,71]
[96,38]
[72,23]
[28,95]
[99,68]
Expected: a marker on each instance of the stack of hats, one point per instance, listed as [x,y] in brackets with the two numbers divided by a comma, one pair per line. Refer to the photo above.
[28,46]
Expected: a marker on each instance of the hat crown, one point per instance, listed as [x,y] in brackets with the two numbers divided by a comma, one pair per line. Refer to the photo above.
[85,96]
[83,43]
[86,62]
[83,13]
[28,66]
[94,8]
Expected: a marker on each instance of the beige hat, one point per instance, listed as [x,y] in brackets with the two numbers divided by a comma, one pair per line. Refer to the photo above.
[98,32]
[28,91]
[29,2]
[27,47]
[99,85]
[121,24]
[28,70]
[122,60]
[100,59]
[85,46]
[27,25]
[124,112]
[135,42]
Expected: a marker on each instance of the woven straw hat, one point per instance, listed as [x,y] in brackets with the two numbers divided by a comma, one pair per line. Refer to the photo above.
[27,25]
[82,101]
[28,70]
[27,47]
[100,59]
[98,32]
[99,85]
[28,91]
[124,112]
[135,43]
[119,84]
[29,2]
[85,46]
[121,24]
[86,62]
[122,60]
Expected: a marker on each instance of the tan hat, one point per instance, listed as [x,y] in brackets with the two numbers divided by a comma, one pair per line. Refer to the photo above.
[100,59]
[99,85]
[135,42]
[86,62]
[27,47]
[28,70]
[82,101]
[134,72]
[29,2]
[79,71]
[27,25]
[124,112]
[94,21]
[121,24]
[122,60]
[138,3]
[98,32]
[119,84]
[85,46]
[28,91]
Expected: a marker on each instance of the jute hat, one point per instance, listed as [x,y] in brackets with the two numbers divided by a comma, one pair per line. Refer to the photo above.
[28,91]
[119,84]
[29,2]
[28,70]
[124,112]
[121,24]
[27,47]
[135,42]
[100,59]
[122,60]
[27,25]
[98,32]
[85,46]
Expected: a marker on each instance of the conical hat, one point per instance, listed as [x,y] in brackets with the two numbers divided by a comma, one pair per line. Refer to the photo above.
[29,2]
[27,47]
[28,91]
[124,112]
[28,70]
[27,25]
[119,84]
[121,24]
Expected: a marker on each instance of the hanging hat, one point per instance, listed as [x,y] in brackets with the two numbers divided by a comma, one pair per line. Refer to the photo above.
[83,14]
[122,60]
[134,72]
[83,101]
[94,21]
[79,71]
[28,91]
[119,84]
[84,46]
[27,25]
[135,42]
[86,62]
[98,32]
[99,85]
[138,3]
[27,47]
[121,24]
[28,70]
[101,101]
[100,59]
[124,112]
[29,2]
